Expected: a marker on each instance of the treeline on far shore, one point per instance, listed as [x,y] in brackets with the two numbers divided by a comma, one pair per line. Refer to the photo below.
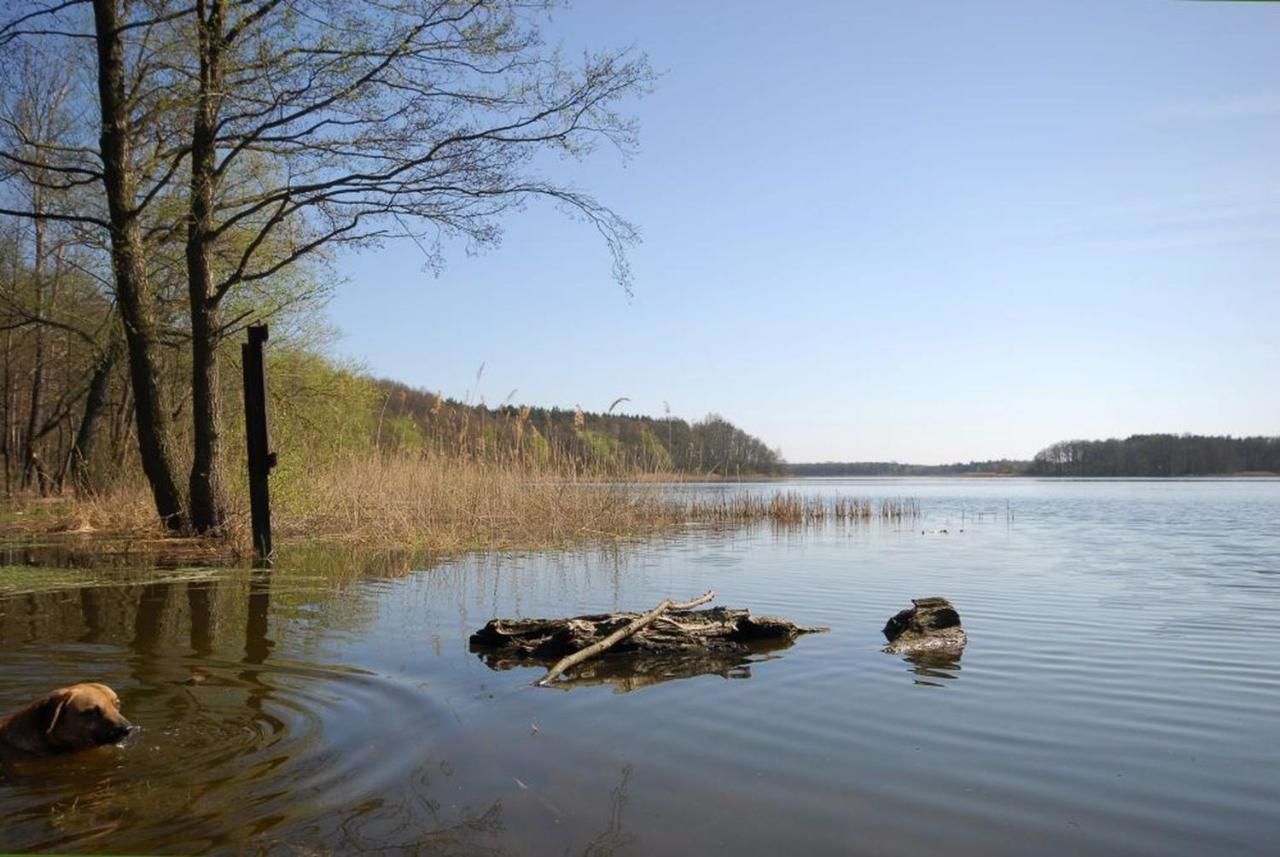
[63,434]
[1159,455]
[1139,455]
[1003,467]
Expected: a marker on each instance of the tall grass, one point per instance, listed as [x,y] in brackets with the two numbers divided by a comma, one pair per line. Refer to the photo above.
[794,507]
[427,501]
[444,503]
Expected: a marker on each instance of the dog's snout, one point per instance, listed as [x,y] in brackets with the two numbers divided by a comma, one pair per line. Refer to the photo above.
[120,730]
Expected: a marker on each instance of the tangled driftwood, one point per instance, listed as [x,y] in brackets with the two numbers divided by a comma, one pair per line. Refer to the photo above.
[710,640]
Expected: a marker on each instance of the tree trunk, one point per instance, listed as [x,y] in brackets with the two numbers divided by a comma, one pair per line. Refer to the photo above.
[91,420]
[208,505]
[31,470]
[155,443]
[6,444]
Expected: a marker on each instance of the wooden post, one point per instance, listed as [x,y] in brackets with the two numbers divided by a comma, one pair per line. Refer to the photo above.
[261,458]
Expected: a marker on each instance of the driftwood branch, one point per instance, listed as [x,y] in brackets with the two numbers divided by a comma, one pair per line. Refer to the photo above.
[632,650]
[618,636]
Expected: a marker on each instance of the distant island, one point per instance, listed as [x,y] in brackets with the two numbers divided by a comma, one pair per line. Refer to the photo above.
[1139,455]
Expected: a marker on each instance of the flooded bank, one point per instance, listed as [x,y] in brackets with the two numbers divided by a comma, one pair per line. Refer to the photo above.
[1110,699]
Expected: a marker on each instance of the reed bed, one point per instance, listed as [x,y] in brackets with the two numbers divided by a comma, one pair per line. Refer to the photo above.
[451,504]
[794,507]
[448,504]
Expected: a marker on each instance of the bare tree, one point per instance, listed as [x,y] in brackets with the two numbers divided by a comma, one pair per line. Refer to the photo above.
[301,125]
[376,120]
[114,176]
[49,301]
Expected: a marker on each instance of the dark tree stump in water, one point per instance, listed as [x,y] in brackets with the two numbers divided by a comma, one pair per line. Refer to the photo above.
[715,640]
[931,624]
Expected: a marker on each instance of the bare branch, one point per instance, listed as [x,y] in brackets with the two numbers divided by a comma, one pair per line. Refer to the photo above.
[62,218]
[13,29]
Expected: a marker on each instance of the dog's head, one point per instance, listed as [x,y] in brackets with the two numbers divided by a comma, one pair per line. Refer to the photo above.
[82,716]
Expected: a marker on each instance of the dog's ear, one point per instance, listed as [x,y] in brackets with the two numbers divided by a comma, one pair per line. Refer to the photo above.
[51,709]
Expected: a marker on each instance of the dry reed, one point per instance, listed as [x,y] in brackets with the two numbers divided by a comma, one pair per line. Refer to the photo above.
[126,510]
[446,503]
[794,507]
[449,504]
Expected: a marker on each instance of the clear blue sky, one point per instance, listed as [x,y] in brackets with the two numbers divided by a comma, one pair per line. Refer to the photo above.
[922,231]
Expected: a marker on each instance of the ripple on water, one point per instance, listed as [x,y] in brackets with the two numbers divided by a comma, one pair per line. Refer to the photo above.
[230,753]
[1118,695]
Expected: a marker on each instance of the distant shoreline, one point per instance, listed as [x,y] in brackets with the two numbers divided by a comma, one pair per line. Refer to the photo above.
[1138,456]
[1244,474]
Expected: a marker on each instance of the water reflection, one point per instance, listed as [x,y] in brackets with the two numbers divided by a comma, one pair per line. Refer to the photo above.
[235,745]
[935,667]
[102,554]
[629,672]
[200,602]
[254,730]
[92,609]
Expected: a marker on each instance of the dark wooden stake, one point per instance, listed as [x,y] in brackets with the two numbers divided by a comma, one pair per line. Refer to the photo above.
[261,458]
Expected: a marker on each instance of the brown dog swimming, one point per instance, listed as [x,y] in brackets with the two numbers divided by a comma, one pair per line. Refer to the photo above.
[71,718]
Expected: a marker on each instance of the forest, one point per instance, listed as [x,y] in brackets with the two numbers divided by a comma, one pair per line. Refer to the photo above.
[1003,467]
[586,441]
[1156,455]
[1139,455]
[66,403]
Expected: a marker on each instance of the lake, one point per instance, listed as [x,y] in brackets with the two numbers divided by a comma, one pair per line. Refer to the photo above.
[1119,693]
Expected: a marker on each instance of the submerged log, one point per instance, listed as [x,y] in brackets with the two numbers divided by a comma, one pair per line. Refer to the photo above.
[658,639]
[930,624]
[627,630]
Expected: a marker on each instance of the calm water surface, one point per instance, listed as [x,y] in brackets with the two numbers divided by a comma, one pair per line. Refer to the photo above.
[1119,694]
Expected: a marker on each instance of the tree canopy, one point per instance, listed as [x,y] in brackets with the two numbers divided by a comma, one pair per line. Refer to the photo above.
[229,141]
